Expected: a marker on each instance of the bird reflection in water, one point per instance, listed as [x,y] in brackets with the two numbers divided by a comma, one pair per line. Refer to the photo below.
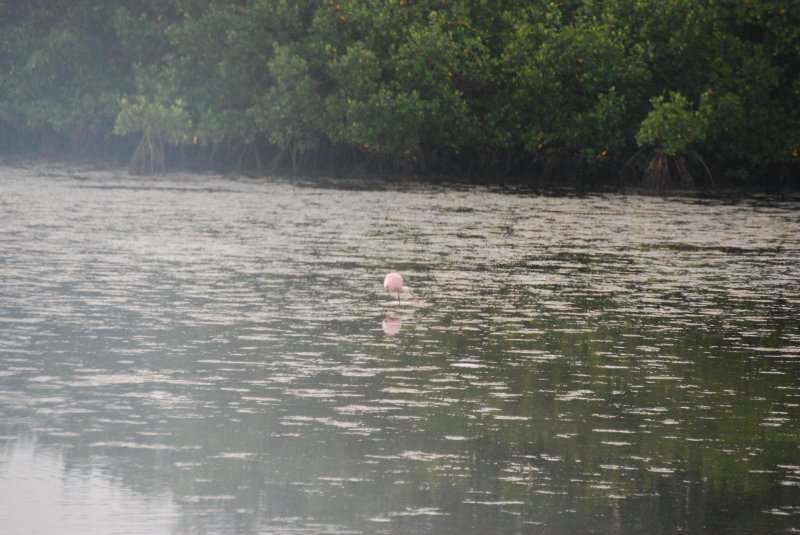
[391,325]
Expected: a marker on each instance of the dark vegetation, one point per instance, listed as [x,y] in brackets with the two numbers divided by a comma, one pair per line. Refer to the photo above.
[662,93]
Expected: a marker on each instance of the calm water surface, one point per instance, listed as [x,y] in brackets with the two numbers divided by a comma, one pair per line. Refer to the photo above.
[202,354]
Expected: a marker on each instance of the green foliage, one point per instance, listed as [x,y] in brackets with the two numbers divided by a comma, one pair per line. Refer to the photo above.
[389,122]
[672,126]
[437,60]
[159,123]
[291,110]
[169,122]
[434,84]
[570,86]
[56,72]
[356,73]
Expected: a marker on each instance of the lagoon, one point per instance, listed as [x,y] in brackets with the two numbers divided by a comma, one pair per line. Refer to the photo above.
[216,354]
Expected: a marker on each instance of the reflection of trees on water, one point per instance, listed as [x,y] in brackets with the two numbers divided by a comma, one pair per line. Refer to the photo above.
[556,421]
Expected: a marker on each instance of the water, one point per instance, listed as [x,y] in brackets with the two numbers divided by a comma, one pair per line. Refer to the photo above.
[204,354]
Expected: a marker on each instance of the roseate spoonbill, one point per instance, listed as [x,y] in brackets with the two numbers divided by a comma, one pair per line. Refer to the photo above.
[393,282]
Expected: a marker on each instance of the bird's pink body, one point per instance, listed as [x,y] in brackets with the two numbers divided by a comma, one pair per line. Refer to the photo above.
[393,282]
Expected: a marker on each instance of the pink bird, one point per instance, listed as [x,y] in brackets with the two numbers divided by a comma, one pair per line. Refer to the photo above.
[393,282]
